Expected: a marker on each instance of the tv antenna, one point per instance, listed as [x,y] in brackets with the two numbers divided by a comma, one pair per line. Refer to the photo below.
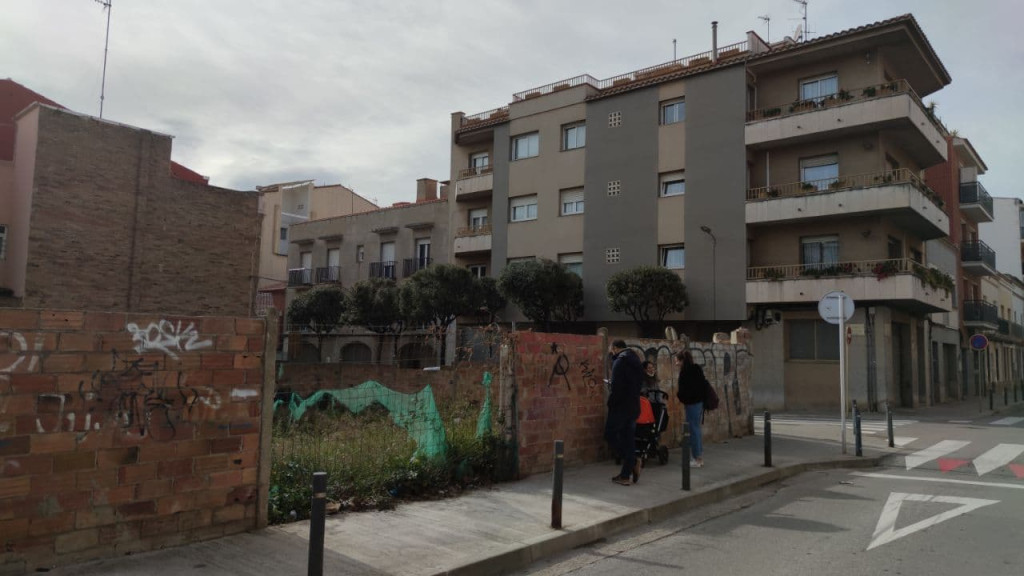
[106,42]
[805,30]
[768,22]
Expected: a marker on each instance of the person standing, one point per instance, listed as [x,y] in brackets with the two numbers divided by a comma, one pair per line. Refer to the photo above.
[692,387]
[623,409]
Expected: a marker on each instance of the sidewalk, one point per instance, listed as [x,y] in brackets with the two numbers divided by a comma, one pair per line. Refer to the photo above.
[496,530]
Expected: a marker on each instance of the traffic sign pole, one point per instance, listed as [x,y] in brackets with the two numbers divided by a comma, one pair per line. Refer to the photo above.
[842,367]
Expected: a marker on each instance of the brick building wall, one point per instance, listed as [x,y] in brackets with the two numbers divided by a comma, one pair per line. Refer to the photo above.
[111,229]
[122,433]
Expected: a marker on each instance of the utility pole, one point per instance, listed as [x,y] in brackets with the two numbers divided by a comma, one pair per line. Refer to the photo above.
[103,85]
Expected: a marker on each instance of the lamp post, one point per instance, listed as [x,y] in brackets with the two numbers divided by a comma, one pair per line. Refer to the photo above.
[714,275]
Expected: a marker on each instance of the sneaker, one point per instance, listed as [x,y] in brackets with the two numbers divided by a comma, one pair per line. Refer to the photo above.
[621,480]
[696,463]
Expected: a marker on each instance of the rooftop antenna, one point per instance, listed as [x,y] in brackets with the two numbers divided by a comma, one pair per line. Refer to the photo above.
[673,49]
[768,22]
[106,42]
[803,10]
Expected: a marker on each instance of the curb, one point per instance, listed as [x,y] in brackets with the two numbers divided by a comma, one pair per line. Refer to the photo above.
[559,542]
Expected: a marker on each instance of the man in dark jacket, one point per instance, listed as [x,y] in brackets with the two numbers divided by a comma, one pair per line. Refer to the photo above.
[623,409]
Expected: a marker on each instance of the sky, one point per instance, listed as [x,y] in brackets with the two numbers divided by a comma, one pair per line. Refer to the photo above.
[360,92]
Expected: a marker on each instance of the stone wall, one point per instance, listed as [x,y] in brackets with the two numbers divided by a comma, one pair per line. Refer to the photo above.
[121,433]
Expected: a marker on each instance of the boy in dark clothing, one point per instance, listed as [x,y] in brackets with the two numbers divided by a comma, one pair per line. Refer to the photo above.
[623,409]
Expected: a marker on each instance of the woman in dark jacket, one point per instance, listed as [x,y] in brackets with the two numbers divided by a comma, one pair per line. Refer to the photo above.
[692,386]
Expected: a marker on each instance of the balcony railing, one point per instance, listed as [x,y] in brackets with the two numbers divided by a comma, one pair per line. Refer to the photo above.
[880,269]
[328,274]
[385,269]
[980,311]
[473,231]
[413,265]
[975,193]
[1004,327]
[496,114]
[1016,330]
[475,171]
[845,182]
[300,276]
[978,251]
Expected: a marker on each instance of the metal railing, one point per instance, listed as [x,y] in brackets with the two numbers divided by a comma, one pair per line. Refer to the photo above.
[483,116]
[556,86]
[1004,327]
[975,193]
[845,182]
[414,265]
[475,171]
[300,276]
[980,311]
[385,269]
[473,231]
[328,274]
[1016,330]
[978,251]
[879,268]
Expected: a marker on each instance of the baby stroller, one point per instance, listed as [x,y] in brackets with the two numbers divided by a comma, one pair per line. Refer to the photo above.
[653,420]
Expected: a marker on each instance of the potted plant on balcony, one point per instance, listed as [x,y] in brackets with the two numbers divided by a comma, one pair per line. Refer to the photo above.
[837,184]
[774,274]
[884,269]
[808,186]
[773,192]
[868,92]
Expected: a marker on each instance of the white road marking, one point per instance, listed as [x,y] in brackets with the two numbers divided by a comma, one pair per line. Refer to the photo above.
[997,457]
[885,530]
[939,480]
[960,421]
[1009,421]
[902,441]
[941,449]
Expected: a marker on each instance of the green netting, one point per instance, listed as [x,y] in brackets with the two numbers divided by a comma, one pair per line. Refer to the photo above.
[483,421]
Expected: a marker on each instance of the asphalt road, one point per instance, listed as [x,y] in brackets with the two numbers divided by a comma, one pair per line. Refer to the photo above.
[951,504]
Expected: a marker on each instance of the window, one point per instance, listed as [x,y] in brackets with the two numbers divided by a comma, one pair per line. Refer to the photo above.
[614,119]
[820,171]
[673,257]
[306,260]
[612,255]
[520,259]
[895,248]
[673,112]
[818,89]
[479,160]
[571,201]
[574,136]
[916,255]
[282,244]
[817,252]
[478,270]
[525,146]
[477,218]
[673,184]
[572,263]
[3,241]
[813,340]
[614,187]
[523,208]
[333,257]
[360,253]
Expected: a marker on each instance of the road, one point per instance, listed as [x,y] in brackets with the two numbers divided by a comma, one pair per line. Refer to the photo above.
[951,504]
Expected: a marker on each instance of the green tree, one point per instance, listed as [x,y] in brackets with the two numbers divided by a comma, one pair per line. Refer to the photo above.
[374,304]
[436,296]
[321,309]
[489,299]
[543,290]
[648,294]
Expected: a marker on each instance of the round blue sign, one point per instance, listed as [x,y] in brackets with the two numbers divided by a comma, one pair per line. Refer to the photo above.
[979,342]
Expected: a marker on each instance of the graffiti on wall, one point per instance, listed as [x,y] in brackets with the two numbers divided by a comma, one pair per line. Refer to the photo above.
[562,367]
[26,358]
[167,338]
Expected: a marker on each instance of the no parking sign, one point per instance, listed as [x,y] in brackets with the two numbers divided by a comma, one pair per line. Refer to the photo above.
[979,342]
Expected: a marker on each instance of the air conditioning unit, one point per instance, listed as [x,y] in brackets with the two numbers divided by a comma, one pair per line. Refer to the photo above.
[771,317]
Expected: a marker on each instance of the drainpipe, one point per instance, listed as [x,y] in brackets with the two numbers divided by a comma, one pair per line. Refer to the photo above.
[714,41]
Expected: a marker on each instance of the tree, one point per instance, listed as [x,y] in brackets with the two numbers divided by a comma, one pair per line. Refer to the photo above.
[321,309]
[374,304]
[438,294]
[648,294]
[543,290]
[489,298]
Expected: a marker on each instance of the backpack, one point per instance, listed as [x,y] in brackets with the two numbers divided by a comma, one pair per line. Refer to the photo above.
[710,396]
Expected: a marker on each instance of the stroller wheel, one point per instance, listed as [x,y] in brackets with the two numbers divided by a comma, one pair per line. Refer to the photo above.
[662,454]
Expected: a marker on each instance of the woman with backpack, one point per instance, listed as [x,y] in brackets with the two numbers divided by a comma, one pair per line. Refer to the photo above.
[691,392]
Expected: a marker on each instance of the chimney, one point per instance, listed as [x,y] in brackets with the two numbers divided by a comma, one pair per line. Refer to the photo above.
[444,189]
[714,41]
[426,189]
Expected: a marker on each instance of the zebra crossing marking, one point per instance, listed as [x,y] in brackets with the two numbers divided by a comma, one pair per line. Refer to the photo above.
[902,441]
[997,457]
[931,453]
[1008,421]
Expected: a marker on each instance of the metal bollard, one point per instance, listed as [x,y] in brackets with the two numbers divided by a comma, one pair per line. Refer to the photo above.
[888,424]
[686,456]
[858,446]
[767,439]
[317,516]
[556,492]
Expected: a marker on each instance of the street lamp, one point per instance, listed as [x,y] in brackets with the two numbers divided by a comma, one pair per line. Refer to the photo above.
[714,274]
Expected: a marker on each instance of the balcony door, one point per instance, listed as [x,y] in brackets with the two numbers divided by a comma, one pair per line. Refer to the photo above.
[422,253]
[819,252]
[387,259]
[820,171]
[477,218]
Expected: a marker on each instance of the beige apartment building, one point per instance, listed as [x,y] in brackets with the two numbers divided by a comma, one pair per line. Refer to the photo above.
[765,175]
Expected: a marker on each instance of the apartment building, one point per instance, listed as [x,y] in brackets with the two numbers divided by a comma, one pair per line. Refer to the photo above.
[765,175]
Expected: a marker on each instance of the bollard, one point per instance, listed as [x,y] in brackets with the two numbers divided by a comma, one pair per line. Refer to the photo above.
[991,397]
[858,446]
[767,439]
[888,424]
[556,492]
[317,513]
[686,456]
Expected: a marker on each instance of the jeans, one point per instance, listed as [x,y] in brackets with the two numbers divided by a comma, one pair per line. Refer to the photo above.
[620,432]
[693,414]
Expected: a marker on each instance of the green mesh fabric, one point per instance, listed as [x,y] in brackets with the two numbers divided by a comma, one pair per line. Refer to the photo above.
[483,421]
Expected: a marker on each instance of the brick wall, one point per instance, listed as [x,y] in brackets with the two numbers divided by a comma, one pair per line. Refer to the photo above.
[122,433]
[111,229]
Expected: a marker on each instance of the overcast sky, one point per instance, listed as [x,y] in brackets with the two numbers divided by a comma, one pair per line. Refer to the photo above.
[360,92]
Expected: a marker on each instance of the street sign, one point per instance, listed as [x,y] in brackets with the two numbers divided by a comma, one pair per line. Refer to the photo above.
[979,342]
[830,309]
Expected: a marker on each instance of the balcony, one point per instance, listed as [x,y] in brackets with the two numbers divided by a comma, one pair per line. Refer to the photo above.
[980,315]
[384,269]
[472,240]
[414,265]
[473,183]
[899,195]
[1004,327]
[893,106]
[899,282]
[328,275]
[977,258]
[300,276]
[975,203]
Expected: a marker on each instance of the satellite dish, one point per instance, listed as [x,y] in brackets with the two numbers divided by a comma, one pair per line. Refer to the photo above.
[798,35]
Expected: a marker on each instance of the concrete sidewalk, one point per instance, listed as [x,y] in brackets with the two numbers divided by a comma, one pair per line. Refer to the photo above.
[496,530]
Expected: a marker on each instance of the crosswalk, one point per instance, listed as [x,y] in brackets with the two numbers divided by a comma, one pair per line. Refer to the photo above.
[995,458]
[868,426]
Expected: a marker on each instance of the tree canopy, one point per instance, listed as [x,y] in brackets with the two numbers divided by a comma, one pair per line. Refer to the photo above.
[543,290]
[321,309]
[647,294]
